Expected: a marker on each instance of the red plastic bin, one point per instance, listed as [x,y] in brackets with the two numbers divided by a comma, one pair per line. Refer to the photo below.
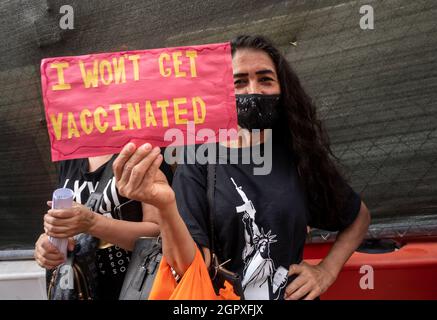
[408,273]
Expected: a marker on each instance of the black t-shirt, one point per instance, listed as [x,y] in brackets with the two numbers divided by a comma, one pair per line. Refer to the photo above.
[260,220]
[112,261]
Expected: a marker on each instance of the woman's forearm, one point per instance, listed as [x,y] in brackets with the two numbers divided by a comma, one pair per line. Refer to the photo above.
[347,242]
[121,233]
[179,247]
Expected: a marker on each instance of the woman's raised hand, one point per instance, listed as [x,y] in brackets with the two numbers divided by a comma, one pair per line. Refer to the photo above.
[138,176]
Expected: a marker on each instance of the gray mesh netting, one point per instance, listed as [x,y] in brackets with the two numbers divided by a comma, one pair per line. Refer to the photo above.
[375,89]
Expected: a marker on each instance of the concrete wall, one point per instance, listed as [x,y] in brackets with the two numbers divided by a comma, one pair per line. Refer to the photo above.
[376,89]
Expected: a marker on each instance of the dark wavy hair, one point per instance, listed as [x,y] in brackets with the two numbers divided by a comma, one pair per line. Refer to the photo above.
[306,136]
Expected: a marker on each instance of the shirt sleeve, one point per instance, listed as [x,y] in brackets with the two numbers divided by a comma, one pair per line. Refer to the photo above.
[189,185]
[346,215]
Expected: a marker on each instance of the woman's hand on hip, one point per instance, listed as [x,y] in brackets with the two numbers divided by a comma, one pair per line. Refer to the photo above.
[311,281]
[65,223]
[138,176]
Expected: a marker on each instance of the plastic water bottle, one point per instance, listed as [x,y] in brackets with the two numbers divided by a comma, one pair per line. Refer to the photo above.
[62,199]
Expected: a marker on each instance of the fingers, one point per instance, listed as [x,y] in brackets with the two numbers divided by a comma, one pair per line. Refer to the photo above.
[131,168]
[299,293]
[293,286]
[48,262]
[49,203]
[121,160]
[76,210]
[46,254]
[309,284]
[134,159]
[57,227]
[153,171]
[295,269]
[154,166]
[312,295]
[44,244]
[63,223]
[50,220]
[54,257]
[57,231]
[61,213]
[140,170]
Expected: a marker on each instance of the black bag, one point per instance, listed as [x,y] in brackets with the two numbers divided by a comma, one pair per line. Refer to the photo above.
[77,278]
[142,270]
[218,273]
[147,256]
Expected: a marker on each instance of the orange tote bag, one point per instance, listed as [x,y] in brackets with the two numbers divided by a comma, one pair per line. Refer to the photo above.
[195,284]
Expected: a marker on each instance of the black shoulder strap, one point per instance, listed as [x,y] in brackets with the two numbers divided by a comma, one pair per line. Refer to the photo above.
[210,194]
[96,198]
[106,175]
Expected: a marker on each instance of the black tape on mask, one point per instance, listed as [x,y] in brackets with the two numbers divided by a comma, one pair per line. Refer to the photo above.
[257,111]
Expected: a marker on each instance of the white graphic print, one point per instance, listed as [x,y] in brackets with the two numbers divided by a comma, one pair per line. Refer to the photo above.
[88,188]
[259,283]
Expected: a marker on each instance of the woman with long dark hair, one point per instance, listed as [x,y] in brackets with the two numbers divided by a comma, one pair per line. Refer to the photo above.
[260,220]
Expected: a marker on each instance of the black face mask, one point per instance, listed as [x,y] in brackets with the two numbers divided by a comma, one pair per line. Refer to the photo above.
[257,111]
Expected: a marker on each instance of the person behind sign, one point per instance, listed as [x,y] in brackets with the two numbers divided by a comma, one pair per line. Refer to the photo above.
[261,221]
[117,236]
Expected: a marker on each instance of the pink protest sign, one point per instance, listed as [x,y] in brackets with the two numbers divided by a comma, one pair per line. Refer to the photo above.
[97,103]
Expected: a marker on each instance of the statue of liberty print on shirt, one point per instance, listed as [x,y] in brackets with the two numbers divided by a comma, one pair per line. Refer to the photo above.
[261,280]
